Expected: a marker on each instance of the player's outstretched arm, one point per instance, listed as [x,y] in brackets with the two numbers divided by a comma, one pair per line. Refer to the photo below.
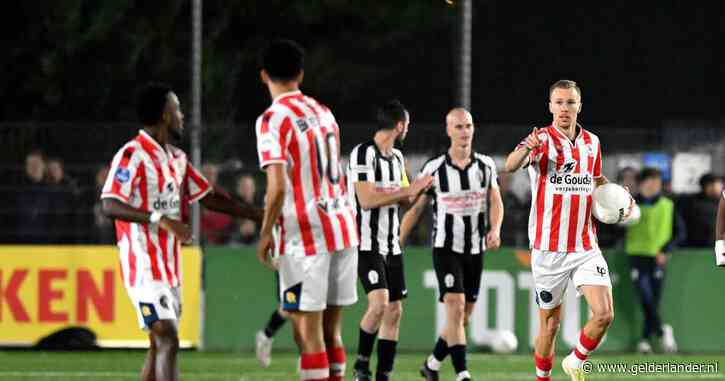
[370,198]
[411,217]
[520,156]
[118,210]
[274,200]
[220,202]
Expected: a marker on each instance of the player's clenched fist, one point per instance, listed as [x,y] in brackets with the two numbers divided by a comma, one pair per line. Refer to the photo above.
[181,230]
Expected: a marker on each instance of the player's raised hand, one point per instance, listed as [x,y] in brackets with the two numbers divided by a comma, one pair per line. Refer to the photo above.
[533,141]
[265,247]
[181,230]
[493,240]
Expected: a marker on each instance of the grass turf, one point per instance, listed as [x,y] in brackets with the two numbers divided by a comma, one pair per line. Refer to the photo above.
[24,365]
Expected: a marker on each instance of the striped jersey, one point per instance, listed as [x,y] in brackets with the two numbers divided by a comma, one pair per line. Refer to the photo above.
[563,174]
[379,228]
[152,178]
[302,134]
[461,201]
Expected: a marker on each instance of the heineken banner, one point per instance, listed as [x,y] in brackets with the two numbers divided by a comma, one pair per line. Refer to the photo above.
[241,294]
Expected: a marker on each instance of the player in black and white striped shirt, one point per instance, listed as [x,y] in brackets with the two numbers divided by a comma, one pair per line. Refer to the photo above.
[467,217]
[377,175]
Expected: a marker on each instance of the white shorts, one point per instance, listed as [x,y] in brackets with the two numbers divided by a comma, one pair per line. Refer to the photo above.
[155,301]
[552,271]
[311,283]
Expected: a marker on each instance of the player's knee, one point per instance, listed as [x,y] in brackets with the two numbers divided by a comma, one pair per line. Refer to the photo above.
[603,317]
[456,308]
[394,312]
[377,309]
[550,327]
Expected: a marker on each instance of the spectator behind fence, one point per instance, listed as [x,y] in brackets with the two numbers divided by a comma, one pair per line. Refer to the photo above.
[102,231]
[514,225]
[216,228]
[64,223]
[647,243]
[247,231]
[33,202]
[700,211]
[613,235]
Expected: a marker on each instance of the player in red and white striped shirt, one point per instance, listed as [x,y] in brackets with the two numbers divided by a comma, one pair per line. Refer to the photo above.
[148,180]
[565,165]
[298,142]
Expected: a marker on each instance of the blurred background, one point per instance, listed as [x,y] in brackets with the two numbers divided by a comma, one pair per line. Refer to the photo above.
[652,74]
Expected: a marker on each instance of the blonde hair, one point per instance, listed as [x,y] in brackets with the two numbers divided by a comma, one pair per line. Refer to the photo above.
[564,84]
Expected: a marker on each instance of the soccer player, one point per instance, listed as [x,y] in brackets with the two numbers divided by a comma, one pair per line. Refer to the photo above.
[467,218]
[148,180]
[565,165]
[298,141]
[378,178]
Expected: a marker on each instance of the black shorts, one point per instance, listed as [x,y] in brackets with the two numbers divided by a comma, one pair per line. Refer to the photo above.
[459,273]
[378,272]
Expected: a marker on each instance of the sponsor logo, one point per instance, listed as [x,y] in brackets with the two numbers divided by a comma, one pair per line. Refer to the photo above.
[164,302]
[568,167]
[123,175]
[162,205]
[373,277]
[572,183]
[303,124]
[546,296]
[601,271]
[464,202]
[449,279]
[290,297]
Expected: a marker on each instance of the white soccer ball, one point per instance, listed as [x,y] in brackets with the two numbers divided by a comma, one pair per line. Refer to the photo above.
[504,341]
[611,202]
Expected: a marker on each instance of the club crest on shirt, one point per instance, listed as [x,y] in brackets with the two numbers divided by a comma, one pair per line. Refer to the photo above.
[122,175]
[590,149]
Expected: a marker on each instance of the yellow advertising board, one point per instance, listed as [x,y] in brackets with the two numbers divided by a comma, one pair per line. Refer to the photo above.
[47,288]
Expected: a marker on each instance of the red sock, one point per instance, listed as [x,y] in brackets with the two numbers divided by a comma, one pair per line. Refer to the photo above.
[336,356]
[314,367]
[585,346]
[543,367]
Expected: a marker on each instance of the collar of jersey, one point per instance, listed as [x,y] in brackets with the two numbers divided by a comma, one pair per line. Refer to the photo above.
[287,94]
[561,134]
[144,135]
[450,162]
[380,153]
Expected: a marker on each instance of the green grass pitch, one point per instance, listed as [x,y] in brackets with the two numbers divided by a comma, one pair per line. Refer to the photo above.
[125,365]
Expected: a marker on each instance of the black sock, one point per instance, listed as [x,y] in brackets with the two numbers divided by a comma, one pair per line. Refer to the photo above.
[458,357]
[440,351]
[386,359]
[273,325]
[365,349]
